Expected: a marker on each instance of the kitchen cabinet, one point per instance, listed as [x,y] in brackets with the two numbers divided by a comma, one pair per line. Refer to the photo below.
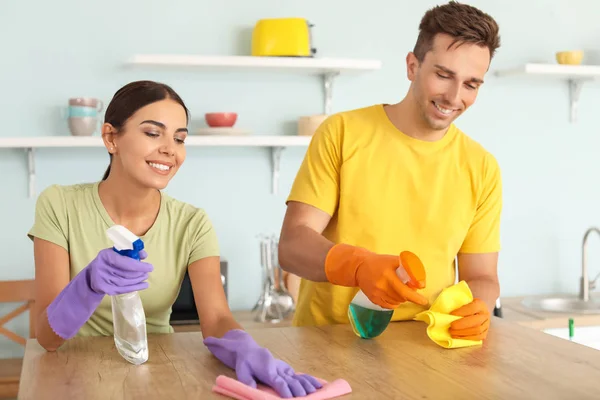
[587,326]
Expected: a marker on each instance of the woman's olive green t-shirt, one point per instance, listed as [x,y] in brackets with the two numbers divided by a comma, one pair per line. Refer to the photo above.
[74,218]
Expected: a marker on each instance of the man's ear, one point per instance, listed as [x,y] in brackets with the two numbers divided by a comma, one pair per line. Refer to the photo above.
[412,65]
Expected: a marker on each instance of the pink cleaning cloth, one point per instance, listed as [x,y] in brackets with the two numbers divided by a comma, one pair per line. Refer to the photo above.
[237,390]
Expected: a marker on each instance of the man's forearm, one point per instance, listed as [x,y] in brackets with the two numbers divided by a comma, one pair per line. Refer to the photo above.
[485,289]
[302,252]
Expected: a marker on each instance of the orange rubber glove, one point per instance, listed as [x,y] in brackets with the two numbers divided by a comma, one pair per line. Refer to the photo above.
[475,322]
[375,274]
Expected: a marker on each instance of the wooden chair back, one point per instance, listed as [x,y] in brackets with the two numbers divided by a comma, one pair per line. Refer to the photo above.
[17,292]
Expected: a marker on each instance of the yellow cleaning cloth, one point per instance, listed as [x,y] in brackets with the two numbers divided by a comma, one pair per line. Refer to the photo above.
[439,319]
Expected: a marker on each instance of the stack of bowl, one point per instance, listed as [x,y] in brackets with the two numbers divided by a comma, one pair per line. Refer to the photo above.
[82,115]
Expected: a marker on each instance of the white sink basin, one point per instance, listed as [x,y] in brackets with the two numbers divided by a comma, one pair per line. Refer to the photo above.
[585,335]
[563,304]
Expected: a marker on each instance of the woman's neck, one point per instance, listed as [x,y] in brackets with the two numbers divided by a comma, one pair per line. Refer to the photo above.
[130,205]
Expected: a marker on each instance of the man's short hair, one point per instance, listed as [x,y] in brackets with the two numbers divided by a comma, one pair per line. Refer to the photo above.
[465,23]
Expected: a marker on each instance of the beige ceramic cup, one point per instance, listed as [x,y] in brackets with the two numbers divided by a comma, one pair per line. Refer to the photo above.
[307,125]
[83,126]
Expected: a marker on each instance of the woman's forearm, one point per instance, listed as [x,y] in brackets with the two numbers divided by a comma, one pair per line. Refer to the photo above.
[220,327]
[45,335]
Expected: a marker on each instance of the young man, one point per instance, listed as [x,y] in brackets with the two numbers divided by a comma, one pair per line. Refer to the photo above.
[383,179]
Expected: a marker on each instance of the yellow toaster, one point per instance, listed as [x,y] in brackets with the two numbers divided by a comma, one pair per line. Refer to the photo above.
[282,37]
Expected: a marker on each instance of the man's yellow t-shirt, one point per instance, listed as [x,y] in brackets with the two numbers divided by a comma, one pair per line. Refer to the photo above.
[389,192]
[74,218]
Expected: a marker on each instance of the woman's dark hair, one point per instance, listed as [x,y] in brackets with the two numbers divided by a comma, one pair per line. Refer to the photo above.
[131,98]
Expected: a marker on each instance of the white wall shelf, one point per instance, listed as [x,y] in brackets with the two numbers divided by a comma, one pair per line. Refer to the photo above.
[327,68]
[275,143]
[192,140]
[575,75]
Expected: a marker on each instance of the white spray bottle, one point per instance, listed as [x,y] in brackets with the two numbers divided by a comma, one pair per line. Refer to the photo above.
[368,320]
[129,319]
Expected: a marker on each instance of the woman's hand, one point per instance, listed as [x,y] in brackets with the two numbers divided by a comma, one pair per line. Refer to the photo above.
[254,364]
[108,274]
[111,273]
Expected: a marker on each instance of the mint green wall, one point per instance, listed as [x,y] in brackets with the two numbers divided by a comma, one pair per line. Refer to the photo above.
[68,48]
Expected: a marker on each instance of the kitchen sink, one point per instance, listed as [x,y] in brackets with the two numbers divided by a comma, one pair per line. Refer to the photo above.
[581,303]
[563,304]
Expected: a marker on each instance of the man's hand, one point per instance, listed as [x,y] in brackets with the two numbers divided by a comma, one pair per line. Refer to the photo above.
[375,274]
[480,271]
[475,322]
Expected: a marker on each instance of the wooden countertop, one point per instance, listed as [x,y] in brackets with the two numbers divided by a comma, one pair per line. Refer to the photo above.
[403,363]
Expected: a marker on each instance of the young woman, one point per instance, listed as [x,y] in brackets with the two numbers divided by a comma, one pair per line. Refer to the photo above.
[75,267]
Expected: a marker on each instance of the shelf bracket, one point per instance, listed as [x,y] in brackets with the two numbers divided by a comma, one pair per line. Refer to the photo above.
[275,165]
[328,91]
[31,170]
[574,93]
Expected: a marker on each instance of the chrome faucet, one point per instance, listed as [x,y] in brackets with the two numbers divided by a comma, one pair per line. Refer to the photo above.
[585,284]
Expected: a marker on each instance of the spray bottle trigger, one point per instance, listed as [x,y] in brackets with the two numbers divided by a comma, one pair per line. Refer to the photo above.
[411,270]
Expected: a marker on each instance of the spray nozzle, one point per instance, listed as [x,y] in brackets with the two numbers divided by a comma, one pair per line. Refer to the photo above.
[125,242]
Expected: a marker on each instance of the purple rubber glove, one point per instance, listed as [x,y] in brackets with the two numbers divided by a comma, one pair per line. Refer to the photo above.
[253,363]
[108,274]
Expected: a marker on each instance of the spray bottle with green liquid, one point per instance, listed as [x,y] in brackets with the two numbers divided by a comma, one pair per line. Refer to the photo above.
[368,320]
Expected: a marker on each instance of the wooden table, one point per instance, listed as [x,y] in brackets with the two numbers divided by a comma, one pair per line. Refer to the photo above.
[515,362]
